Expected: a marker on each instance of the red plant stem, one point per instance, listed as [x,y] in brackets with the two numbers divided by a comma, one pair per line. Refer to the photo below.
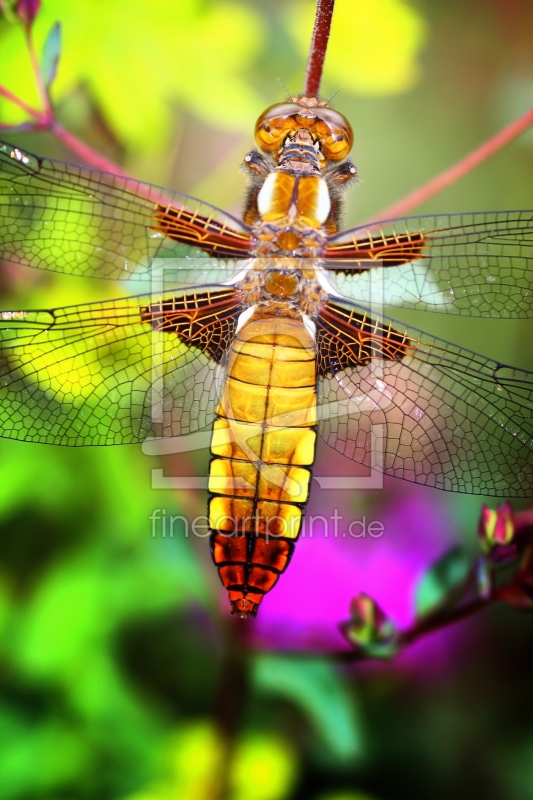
[24,127]
[93,159]
[20,103]
[85,152]
[524,520]
[424,627]
[463,167]
[437,622]
[319,44]
[421,628]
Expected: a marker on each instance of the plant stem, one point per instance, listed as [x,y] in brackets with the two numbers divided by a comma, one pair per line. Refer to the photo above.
[442,617]
[231,701]
[20,103]
[90,156]
[439,620]
[459,170]
[524,521]
[424,627]
[24,127]
[319,44]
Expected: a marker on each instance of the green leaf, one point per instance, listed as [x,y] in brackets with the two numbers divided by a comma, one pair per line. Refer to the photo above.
[320,692]
[135,69]
[441,582]
[55,748]
[50,56]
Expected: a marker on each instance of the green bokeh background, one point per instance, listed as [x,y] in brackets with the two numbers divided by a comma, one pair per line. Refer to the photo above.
[113,652]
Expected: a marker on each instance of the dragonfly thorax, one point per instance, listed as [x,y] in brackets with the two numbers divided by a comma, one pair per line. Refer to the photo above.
[291,282]
[282,283]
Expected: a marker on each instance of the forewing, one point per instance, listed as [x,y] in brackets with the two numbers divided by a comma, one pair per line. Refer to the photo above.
[79,221]
[421,409]
[115,372]
[472,264]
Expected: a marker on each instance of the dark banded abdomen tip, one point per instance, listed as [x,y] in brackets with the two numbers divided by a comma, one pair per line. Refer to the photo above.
[244,607]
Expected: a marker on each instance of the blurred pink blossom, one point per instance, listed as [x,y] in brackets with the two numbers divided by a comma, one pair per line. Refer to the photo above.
[326,572]
[27,10]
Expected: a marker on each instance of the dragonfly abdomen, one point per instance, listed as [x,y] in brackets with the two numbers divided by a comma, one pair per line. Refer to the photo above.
[263,448]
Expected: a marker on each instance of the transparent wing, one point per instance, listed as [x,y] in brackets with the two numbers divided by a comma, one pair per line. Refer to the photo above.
[422,409]
[477,264]
[79,221]
[115,372]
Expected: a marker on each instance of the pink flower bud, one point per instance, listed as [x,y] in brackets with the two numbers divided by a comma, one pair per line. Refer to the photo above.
[496,528]
[27,10]
[368,623]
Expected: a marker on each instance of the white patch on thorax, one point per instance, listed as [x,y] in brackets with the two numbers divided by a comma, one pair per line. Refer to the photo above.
[310,325]
[240,275]
[266,195]
[323,202]
[325,284]
[244,318]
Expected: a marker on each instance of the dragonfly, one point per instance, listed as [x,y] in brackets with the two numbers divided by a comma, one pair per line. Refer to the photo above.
[270,333]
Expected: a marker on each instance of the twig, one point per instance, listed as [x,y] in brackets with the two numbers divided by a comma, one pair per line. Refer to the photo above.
[45,121]
[24,127]
[459,170]
[423,627]
[440,618]
[90,156]
[319,44]
[20,103]
[231,701]
[436,622]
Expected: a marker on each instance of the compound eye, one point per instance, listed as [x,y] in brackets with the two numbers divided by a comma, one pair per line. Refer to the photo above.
[327,127]
[274,125]
[336,135]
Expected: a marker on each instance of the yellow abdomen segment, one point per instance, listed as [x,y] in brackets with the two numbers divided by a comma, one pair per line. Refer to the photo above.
[263,447]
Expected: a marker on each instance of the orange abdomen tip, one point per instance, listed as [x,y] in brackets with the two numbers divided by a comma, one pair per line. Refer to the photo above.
[244,607]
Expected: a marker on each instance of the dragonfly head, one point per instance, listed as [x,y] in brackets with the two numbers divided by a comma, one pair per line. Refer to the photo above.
[327,127]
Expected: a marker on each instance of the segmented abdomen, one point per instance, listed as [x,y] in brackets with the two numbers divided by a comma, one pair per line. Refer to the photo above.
[263,448]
